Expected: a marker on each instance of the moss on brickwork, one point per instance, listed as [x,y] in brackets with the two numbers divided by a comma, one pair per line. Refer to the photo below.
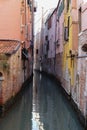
[4,65]
[3,57]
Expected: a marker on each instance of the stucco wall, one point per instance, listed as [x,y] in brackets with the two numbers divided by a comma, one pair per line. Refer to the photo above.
[84,16]
[13,77]
[10,19]
[82,71]
[51,37]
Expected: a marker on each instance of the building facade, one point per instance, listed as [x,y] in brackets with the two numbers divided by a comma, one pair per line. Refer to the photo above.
[59,40]
[37,51]
[70,46]
[49,47]
[11,76]
[15,37]
[82,57]
[65,49]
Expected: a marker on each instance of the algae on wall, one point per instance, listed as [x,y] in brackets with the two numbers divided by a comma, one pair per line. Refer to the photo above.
[4,65]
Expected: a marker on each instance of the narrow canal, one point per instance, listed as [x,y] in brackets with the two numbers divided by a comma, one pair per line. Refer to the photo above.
[41,107]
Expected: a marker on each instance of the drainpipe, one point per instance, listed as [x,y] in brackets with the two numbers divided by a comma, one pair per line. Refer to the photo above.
[25,41]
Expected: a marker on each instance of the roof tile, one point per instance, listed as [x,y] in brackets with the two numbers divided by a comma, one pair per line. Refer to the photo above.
[8,46]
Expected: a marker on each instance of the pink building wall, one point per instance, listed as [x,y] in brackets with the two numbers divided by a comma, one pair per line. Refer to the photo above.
[59,40]
[80,2]
[82,62]
[49,42]
[60,34]
[10,19]
[84,16]
[13,20]
[51,35]
[15,25]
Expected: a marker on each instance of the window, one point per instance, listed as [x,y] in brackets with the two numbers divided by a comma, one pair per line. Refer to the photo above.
[68,25]
[1,74]
[66,33]
[36,51]
[35,6]
[66,30]
[24,54]
[28,2]
[60,9]
[35,9]
[1,77]
[84,47]
[47,45]
[80,15]
[49,23]
[67,5]
[46,38]
[22,21]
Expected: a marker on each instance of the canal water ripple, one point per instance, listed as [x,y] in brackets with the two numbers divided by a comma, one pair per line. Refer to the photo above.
[41,107]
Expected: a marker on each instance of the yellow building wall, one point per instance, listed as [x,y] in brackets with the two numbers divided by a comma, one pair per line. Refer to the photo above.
[67,64]
[70,64]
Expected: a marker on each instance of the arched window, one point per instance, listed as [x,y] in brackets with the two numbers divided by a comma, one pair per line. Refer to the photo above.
[84,47]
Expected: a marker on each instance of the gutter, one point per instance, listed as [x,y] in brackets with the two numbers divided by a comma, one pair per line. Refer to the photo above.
[14,51]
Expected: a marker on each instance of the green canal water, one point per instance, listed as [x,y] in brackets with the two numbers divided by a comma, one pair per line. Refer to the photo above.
[41,107]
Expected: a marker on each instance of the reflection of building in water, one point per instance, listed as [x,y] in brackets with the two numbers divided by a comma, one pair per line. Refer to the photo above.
[42,110]
[36,123]
[50,109]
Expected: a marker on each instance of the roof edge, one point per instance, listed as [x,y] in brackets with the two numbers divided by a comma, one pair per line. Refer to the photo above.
[13,40]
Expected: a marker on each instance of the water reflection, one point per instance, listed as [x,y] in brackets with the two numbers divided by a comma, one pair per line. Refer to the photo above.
[19,116]
[51,110]
[36,124]
[41,107]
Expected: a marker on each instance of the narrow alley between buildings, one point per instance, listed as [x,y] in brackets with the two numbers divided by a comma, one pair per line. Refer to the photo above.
[43,40]
[42,106]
